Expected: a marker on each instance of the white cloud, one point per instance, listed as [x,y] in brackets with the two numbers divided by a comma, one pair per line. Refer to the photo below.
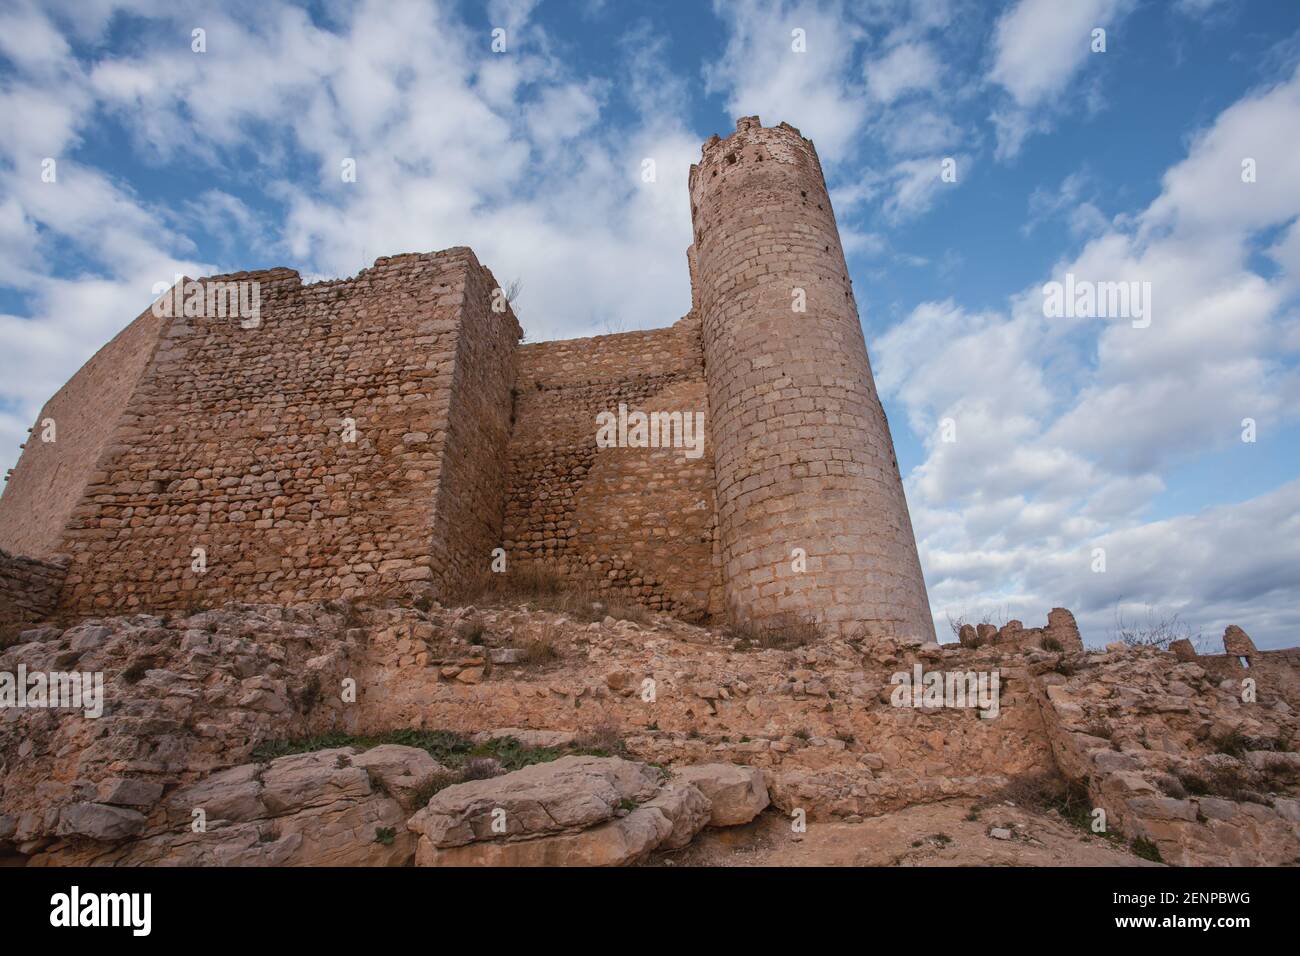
[908,67]
[1065,427]
[762,75]
[1038,47]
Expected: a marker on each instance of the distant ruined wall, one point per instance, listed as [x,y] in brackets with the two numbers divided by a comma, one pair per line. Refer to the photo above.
[234,443]
[29,589]
[803,451]
[637,521]
[50,477]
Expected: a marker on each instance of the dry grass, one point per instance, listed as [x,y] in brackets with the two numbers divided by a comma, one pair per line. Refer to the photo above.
[784,632]
[542,645]
[543,588]
[1155,631]
[989,617]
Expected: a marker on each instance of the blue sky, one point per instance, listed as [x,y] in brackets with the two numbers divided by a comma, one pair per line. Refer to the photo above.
[1072,435]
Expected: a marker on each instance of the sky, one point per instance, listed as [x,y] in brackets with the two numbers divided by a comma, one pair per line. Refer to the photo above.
[1098,463]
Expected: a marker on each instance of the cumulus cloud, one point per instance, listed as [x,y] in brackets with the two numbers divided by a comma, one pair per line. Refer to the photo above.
[513,154]
[907,67]
[1038,48]
[1065,427]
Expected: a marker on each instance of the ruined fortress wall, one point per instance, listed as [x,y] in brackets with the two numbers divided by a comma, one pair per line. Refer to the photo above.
[234,443]
[478,414]
[29,588]
[50,477]
[638,522]
[804,455]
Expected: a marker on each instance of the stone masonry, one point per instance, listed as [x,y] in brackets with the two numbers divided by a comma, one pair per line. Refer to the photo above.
[803,451]
[388,433]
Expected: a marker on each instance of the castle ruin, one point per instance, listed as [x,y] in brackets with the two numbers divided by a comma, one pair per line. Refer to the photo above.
[385,434]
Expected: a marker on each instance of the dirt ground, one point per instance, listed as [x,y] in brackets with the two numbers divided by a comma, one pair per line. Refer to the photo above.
[936,834]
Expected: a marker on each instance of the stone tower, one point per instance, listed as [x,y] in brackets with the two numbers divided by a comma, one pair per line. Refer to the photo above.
[803,454]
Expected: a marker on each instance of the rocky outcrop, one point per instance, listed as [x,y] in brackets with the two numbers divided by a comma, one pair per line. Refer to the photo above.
[738,794]
[326,808]
[190,701]
[181,697]
[584,811]
[1203,768]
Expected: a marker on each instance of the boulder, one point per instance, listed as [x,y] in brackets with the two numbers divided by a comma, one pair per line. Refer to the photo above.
[575,811]
[737,793]
[128,792]
[311,779]
[233,794]
[98,821]
[615,843]
[312,809]
[572,793]
[688,809]
[402,771]
[529,738]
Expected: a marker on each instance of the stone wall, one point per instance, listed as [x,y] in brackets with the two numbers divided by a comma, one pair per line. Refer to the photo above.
[636,521]
[51,476]
[478,411]
[234,442]
[29,589]
[193,439]
[804,455]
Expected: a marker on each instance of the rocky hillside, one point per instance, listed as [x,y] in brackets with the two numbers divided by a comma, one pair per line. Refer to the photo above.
[328,733]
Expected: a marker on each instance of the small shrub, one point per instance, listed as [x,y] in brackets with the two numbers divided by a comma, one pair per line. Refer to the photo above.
[1231,781]
[137,667]
[310,695]
[1144,848]
[439,781]
[1194,784]
[1157,631]
[1044,792]
[1235,744]
[480,768]
[1171,786]
[601,741]
[1277,774]
[385,835]
[784,632]
[471,631]
[626,611]
[1098,728]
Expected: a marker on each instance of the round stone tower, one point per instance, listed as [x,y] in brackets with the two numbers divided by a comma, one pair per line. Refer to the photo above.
[811,514]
